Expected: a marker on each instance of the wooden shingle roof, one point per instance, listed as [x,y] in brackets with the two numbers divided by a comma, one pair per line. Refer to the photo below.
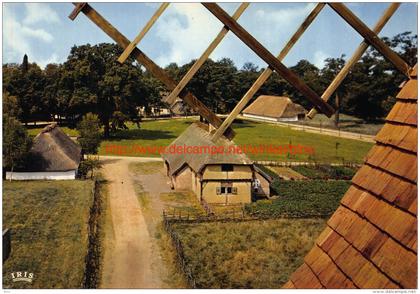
[371,239]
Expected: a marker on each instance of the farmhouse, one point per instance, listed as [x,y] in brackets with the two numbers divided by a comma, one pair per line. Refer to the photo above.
[274,108]
[53,156]
[215,172]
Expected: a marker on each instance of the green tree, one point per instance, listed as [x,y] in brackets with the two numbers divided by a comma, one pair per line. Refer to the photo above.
[10,105]
[90,133]
[27,86]
[51,93]
[95,82]
[16,143]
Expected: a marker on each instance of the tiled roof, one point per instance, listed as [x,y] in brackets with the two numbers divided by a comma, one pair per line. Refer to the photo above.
[371,239]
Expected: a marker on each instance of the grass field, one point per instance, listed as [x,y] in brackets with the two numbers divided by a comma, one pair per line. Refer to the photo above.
[347,123]
[253,254]
[163,132]
[34,130]
[48,220]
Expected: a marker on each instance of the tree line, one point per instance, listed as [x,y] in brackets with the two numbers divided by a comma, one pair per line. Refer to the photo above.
[92,81]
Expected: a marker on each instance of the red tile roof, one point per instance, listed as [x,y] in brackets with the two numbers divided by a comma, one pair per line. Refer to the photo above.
[371,239]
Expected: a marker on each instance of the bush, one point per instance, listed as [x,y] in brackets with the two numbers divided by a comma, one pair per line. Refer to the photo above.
[90,133]
[317,198]
[326,172]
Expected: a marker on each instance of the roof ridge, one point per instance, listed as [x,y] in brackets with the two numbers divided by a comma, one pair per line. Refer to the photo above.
[49,127]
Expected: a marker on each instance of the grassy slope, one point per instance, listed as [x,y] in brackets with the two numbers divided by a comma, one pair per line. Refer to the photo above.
[49,225]
[163,132]
[254,254]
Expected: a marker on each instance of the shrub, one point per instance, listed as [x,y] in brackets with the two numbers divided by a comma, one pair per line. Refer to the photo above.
[326,172]
[317,198]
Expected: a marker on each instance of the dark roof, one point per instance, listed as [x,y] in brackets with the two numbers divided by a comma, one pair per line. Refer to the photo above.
[263,174]
[53,150]
[274,106]
[197,135]
[371,239]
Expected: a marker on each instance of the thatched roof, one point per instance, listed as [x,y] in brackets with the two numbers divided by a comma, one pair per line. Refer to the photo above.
[53,150]
[371,239]
[274,106]
[197,135]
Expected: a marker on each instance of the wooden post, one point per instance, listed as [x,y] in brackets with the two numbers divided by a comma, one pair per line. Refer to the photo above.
[355,57]
[267,72]
[170,99]
[7,248]
[77,10]
[143,32]
[337,111]
[371,37]
[152,67]
[270,59]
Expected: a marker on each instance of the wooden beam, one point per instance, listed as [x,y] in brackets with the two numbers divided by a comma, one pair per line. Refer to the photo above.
[355,57]
[371,37]
[269,58]
[76,10]
[154,69]
[143,32]
[267,72]
[200,61]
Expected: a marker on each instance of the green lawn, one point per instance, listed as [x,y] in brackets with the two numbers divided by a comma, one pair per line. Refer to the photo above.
[48,220]
[33,131]
[252,254]
[163,132]
[347,123]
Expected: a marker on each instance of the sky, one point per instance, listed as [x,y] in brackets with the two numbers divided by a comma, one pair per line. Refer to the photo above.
[44,32]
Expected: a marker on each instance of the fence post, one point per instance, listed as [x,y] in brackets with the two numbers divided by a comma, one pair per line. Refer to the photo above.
[7,248]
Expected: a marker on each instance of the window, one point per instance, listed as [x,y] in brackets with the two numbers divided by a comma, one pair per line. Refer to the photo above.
[226,188]
[227,167]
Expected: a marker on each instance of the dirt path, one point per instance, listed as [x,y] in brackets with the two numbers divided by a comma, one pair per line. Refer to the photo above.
[128,258]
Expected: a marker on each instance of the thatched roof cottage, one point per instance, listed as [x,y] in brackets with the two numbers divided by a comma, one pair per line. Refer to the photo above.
[274,108]
[53,156]
[193,162]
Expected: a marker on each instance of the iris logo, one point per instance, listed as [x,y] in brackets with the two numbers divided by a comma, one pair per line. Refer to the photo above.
[22,277]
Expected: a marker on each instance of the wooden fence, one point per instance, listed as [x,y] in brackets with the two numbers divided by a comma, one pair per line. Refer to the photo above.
[179,252]
[187,217]
[304,163]
[92,259]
